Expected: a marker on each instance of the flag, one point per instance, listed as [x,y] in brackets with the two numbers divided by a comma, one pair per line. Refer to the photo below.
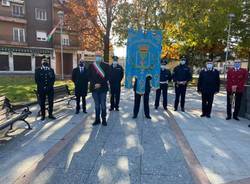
[143,58]
[52,32]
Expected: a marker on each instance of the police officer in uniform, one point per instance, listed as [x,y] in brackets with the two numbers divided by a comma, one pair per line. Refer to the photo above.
[181,76]
[208,85]
[45,78]
[116,76]
[80,79]
[137,100]
[165,78]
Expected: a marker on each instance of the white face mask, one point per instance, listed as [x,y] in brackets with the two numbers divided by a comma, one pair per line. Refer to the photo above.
[183,62]
[163,66]
[115,63]
[210,66]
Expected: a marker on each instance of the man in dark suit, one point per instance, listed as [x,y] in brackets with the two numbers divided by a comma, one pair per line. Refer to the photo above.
[181,76]
[98,77]
[45,78]
[208,85]
[116,76]
[137,100]
[80,79]
[165,78]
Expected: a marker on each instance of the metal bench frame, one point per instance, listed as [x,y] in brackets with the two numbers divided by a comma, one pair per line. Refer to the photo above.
[10,111]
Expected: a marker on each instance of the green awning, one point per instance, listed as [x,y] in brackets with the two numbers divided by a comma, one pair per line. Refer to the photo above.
[26,50]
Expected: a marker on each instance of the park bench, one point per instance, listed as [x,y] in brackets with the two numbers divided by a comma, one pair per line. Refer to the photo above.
[61,93]
[9,115]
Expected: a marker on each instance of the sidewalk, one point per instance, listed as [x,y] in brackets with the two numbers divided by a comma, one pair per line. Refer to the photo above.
[172,148]
[222,147]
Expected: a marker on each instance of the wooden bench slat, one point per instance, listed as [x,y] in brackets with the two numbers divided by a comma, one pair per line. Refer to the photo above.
[3,111]
[2,98]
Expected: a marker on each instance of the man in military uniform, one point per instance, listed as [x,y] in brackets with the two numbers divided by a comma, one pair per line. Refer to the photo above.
[45,78]
[208,85]
[80,79]
[116,76]
[236,80]
[181,76]
[137,100]
[165,78]
[99,77]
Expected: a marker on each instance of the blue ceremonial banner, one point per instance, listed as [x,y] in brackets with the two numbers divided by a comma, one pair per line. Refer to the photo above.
[143,58]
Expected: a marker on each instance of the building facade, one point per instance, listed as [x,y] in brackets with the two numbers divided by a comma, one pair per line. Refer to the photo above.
[25,26]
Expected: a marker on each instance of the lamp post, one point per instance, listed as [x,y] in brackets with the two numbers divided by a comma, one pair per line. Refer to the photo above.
[61,17]
[230,17]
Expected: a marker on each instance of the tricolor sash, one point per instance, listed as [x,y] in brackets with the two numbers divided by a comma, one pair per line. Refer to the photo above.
[99,70]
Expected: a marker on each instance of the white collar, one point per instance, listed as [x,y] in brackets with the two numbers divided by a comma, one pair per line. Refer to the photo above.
[45,68]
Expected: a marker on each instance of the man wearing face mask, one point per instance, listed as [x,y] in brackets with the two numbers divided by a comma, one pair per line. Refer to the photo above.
[181,76]
[236,80]
[80,79]
[116,76]
[208,85]
[165,78]
[98,77]
[45,78]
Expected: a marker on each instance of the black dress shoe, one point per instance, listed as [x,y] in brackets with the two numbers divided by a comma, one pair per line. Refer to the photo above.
[249,126]
[77,112]
[202,115]
[42,118]
[117,109]
[97,122]
[104,123]
[175,109]
[236,118]
[228,118]
[111,109]
[148,117]
[52,117]
[208,116]
[182,109]
[134,117]
[85,112]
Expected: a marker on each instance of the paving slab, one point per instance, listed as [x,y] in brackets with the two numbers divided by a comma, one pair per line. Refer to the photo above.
[220,146]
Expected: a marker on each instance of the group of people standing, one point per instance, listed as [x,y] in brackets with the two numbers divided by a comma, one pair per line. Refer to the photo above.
[104,77]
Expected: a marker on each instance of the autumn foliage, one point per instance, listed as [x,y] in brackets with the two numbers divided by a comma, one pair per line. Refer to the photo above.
[81,17]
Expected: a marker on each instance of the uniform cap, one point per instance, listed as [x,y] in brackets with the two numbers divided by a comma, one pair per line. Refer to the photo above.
[163,61]
[115,58]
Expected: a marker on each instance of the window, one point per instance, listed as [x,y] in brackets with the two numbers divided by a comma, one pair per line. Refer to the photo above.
[65,39]
[5,2]
[41,36]
[18,10]
[4,63]
[41,14]
[18,34]
[22,63]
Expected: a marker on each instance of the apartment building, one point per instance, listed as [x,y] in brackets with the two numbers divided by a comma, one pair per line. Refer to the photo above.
[24,28]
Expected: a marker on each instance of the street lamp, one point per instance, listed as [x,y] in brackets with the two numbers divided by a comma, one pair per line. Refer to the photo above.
[230,18]
[60,14]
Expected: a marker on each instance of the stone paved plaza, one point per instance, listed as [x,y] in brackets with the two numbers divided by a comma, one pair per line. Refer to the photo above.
[172,148]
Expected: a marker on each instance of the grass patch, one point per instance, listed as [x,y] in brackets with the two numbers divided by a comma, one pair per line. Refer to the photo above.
[20,89]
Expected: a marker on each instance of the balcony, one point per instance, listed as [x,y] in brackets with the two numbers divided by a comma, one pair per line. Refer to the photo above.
[72,45]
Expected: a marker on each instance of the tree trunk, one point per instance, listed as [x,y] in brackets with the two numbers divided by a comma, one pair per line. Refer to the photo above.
[106,42]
